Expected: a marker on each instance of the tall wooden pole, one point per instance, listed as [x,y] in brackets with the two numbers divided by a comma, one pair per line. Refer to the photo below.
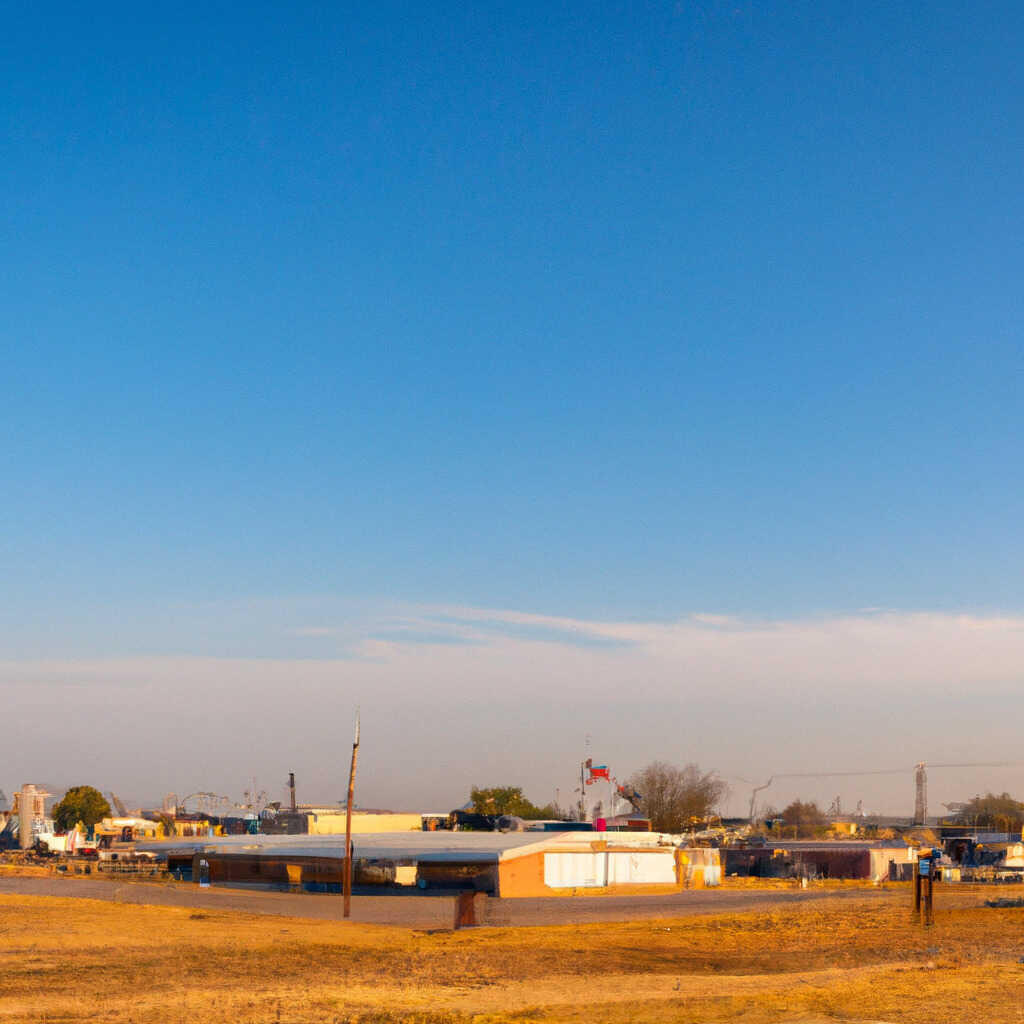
[347,886]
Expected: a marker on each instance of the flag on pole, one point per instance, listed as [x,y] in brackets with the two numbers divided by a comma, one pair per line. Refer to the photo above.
[599,771]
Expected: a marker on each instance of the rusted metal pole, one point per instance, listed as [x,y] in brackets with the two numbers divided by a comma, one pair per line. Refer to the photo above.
[347,884]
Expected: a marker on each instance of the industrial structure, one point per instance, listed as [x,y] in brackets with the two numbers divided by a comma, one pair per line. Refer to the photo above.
[30,811]
[920,771]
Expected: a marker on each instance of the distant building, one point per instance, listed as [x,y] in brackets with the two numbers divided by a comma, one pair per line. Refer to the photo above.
[877,861]
[332,823]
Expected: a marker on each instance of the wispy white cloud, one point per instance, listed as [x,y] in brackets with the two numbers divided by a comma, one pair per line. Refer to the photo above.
[511,693]
[709,619]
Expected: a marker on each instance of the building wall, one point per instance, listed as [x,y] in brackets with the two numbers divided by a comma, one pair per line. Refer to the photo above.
[562,871]
[822,861]
[269,870]
[881,859]
[522,876]
[188,829]
[699,867]
[1014,855]
[334,824]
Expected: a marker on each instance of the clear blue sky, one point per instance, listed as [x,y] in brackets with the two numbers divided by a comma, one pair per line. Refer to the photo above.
[598,310]
[334,337]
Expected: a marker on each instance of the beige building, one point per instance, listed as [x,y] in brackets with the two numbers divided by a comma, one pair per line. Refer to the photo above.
[332,823]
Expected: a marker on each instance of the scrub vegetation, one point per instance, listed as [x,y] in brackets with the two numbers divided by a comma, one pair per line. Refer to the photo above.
[852,959]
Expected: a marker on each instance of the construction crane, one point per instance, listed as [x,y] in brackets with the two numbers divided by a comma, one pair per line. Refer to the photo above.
[921,783]
[753,796]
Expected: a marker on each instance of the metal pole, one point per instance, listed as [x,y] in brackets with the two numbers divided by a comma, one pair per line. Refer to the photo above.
[347,886]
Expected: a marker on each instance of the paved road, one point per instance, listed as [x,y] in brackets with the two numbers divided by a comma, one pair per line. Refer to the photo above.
[410,912]
[423,911]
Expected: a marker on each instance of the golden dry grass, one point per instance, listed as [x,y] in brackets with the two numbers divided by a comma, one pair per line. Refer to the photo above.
[71,960]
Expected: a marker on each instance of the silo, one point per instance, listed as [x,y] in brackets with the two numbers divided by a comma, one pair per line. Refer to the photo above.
[30,814]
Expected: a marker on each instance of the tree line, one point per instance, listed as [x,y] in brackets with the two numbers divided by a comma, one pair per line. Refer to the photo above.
[674,798]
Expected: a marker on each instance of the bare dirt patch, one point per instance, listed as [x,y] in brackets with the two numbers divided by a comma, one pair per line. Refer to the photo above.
[847,959]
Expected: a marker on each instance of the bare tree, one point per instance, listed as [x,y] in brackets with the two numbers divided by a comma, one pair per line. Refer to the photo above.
[675,798]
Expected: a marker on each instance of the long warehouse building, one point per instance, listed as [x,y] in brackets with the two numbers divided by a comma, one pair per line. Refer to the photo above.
[503,864]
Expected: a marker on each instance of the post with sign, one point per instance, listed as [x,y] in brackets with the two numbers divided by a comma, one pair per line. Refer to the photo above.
[924,880]
[928,919]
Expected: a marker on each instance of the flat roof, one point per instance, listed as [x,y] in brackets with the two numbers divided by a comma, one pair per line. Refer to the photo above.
[825,844]
[424,847]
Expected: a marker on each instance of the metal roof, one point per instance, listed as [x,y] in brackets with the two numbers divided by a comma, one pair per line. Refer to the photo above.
[423,847]
[825,844]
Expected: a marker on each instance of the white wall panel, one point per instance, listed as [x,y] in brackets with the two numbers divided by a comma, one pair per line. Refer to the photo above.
[654,868]
[572,870]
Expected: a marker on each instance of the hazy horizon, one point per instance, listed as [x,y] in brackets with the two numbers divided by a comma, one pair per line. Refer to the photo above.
[454,696]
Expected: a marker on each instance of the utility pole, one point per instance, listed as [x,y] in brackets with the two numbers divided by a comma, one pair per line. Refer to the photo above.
[347,886]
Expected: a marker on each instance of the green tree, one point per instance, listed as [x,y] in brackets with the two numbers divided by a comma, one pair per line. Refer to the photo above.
[80,804]
[677,798]
[1000,812]
[508,800]
[800,813]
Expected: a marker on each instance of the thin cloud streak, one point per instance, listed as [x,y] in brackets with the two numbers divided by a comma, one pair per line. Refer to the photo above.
[509,695]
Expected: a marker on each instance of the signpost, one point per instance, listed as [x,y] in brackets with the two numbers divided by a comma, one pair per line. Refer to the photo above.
[924,882]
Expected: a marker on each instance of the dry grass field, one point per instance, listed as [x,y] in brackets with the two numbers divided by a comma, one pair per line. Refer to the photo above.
[64,960]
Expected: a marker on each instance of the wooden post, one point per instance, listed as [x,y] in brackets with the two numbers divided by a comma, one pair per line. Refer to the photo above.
[917,892]
[469,909]
[347,883]
[928,919]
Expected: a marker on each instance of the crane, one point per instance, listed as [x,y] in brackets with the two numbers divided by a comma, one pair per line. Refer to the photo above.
[921,783]
[753,796]
[813,775]
[118,805]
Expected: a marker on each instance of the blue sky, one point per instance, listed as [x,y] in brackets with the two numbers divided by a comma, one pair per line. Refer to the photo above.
[621,312]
